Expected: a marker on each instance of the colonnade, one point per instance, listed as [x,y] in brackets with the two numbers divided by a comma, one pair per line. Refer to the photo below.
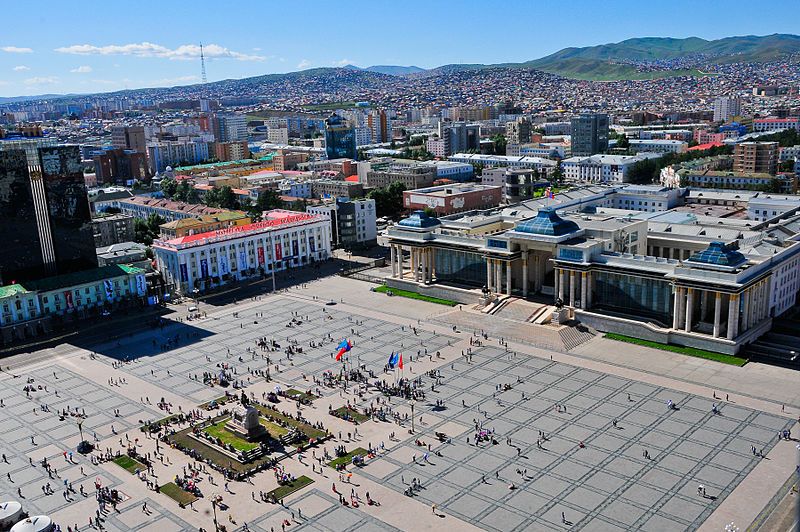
[746,308]
[568,289]
[421,263]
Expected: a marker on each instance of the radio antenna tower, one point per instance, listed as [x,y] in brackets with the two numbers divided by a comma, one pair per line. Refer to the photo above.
[203,66]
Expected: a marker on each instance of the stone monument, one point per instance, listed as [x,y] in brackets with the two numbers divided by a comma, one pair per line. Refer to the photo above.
[244,423]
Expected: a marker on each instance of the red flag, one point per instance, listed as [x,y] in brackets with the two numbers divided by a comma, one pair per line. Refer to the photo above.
[400,362]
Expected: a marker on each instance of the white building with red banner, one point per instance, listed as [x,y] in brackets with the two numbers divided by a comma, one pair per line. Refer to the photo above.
[283,240]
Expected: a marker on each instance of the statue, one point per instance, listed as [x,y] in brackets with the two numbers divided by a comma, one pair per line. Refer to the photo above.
[559,303]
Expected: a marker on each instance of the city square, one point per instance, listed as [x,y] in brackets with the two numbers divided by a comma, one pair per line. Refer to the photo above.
[567,443]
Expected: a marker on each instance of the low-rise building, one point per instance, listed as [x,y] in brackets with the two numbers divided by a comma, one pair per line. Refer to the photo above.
[144,206]
[352,222]
[111,229]
[727,180]
[34,308]
[203,224]
[283,240]
[761,125]
[658,146]
[335,188]
[130,253]
[602,168]
[449,199]
[545,166]
[415,175]
[516,184]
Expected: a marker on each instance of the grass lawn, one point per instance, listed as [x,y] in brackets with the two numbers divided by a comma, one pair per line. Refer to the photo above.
[691,351]
[357,416]
[275,430]
[129,464]
[218,430]
[348,458]
[295,394]
[287,489]
[171,490]
[155,425]
[414,295]
[309,431]
[218,400]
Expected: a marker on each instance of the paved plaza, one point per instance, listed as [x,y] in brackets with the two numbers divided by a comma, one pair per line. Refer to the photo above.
[615,457]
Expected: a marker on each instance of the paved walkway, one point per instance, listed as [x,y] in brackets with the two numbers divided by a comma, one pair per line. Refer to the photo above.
[606,485]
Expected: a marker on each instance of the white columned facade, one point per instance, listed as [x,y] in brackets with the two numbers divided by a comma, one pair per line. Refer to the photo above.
[689,309]
[508,277]
[584,289]
[676,308]
[572,288]
[498,276]
[717,313]
[415,262]
[733,317]
[393,260]
[489,275]
[561,281]
[525,274]
[746,310]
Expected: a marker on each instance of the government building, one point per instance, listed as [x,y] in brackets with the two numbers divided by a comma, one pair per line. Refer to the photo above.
[673,276]
[283,240]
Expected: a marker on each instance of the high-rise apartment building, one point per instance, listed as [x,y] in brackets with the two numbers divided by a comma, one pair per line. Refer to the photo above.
[45,221]
[458,137]
[726,108]
[589,134]
[129,138]
[756,157]
[518,131]
[230,127]
[340,138]
[120,166]
[380,126]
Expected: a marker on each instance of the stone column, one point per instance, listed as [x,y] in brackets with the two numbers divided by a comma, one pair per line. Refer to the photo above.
[746,310]
[717,313]
[433,263]
[584,289]
[525,274]
[689,309]
[733,317]
[757,303]
[676,308]
[572,288]
[508,277]
[393,260]
[488,273]
[561,281]
[415,262]
[589,288]
[498,276]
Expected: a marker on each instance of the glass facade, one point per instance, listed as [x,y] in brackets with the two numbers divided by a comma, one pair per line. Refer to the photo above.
[68,206]
[21,259]
[460,267]
[632,294]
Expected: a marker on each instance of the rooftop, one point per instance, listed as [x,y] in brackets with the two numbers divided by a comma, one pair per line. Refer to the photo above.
[83,277]
[548,223]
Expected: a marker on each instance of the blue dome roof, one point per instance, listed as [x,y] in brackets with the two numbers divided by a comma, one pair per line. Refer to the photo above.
[419,220]
[719,254]
[547,222]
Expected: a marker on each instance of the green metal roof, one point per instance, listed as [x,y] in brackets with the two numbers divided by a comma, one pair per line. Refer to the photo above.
[12,290]
[84,277]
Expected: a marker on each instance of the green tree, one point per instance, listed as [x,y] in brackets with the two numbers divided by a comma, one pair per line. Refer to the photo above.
[212,197]
[787,166]
[182,191]
[558,174]
[193,196]
[622,142]
[388,200]
[500,143]
[227,199]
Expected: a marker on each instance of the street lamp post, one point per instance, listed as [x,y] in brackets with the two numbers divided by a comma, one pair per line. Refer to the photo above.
[412,403]
[214,507]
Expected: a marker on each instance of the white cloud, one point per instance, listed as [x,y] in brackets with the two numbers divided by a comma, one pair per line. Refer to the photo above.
[20,68]
[256,49]
[81,70]
[174,81]
[16,50]
[46,80]
[305,63]
[147,49]
[343,62]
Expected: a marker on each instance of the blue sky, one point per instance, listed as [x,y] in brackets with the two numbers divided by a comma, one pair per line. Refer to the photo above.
[93,46]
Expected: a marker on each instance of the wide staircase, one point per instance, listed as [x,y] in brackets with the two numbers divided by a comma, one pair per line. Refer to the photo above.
[780,346]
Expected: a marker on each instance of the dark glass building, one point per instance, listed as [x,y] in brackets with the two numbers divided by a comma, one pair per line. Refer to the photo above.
[45,221]
[68,207]
[22,253]
[340,138]
[589,134]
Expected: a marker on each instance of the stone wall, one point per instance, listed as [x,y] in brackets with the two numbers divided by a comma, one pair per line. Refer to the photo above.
[645,331]
[465,297]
